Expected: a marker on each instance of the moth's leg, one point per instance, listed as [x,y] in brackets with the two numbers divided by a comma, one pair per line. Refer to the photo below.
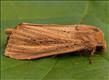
[90,59]
[91,53]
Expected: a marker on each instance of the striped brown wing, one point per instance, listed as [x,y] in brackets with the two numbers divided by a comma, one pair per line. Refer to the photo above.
[30,41]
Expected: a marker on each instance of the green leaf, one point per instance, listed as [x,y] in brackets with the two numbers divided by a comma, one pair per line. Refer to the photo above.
[64,67]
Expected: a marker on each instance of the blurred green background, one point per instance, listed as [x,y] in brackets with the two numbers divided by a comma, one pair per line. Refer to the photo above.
[55,12]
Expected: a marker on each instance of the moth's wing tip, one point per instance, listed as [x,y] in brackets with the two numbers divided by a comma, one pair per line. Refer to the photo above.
[8,30]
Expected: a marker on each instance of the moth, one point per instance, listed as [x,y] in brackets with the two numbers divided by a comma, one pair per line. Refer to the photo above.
[32,41]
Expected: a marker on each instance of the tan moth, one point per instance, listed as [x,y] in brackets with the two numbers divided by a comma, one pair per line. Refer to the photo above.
[32,41]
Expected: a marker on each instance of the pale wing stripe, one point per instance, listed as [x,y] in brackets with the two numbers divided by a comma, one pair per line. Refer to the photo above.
[51,35]
[31,24]
[37,34]
[47,32]
[44,40]
[21,38]
[37,48]
[62,29]
[41,34]
[25,34]
[52,52]
[17,41]
[34,34]
[53,26]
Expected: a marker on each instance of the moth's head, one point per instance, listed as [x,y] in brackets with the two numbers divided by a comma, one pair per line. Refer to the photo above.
[100,40]
[99,37]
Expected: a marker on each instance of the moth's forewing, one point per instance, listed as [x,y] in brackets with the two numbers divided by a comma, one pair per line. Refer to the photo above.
[29,41]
